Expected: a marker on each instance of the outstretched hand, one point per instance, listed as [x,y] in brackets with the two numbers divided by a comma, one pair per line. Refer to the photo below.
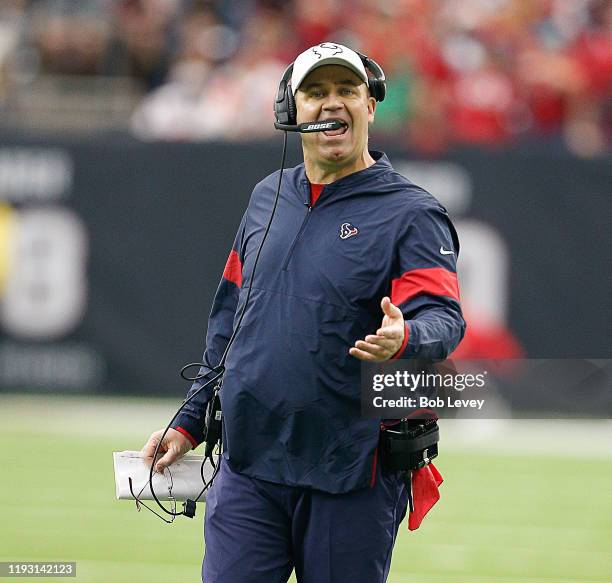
[388,338]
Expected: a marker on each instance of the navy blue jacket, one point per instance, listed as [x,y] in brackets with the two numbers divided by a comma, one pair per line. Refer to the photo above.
[291,391]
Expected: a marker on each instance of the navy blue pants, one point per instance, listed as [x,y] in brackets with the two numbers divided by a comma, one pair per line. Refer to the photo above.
[258,532]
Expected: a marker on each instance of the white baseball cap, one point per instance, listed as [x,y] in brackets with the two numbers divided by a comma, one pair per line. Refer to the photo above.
[326,54]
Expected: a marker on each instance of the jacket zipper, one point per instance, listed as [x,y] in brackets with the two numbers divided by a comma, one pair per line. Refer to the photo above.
[297,238]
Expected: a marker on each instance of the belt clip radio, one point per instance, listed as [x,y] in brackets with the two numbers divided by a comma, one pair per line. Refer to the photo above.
[409,444]
[214,419]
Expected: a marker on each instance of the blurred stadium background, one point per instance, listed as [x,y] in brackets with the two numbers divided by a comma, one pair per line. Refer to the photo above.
[131,134]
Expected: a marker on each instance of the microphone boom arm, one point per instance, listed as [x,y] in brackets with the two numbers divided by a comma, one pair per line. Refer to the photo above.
[310,127]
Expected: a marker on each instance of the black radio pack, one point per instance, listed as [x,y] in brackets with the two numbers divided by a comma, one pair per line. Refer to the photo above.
[409,444]
[213,424]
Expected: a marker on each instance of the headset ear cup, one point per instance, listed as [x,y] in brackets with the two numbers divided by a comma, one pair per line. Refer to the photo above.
[284,104]
[377,82]
[377,89]
[291,107]
[280,109]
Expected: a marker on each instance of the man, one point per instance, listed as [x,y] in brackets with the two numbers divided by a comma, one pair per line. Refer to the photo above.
[359,265]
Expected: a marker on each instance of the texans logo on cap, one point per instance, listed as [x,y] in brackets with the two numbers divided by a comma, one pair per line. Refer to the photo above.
[347,230]
[328,47]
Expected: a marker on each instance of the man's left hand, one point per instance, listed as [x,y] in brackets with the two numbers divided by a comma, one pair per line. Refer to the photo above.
[388,338]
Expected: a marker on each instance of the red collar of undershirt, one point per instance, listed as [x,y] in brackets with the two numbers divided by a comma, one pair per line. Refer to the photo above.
[315,192]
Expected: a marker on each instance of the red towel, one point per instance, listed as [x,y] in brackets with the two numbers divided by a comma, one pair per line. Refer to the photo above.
[425,493]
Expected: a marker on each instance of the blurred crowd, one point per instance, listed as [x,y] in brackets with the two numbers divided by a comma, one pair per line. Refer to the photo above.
[487,72]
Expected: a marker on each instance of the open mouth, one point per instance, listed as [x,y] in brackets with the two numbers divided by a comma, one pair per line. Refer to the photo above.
[339,132]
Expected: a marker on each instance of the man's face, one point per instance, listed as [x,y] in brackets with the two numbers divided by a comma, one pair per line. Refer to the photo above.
[335,92]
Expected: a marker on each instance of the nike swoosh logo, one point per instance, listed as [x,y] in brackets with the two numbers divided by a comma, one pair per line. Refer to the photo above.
[445,252]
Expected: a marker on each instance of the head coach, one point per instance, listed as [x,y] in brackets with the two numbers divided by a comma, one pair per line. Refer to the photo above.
[359,264]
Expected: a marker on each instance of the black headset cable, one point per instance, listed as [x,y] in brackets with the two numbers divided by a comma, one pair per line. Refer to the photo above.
[220,368]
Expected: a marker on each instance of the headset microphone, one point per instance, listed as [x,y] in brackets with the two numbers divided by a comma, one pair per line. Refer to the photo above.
[310,127]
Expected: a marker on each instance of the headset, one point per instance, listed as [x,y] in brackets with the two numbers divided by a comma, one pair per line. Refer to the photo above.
[285,109]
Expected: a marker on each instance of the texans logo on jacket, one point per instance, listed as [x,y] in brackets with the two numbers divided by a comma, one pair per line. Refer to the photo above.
[347,230]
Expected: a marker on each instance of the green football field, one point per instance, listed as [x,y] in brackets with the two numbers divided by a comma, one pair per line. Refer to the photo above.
[523,502]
